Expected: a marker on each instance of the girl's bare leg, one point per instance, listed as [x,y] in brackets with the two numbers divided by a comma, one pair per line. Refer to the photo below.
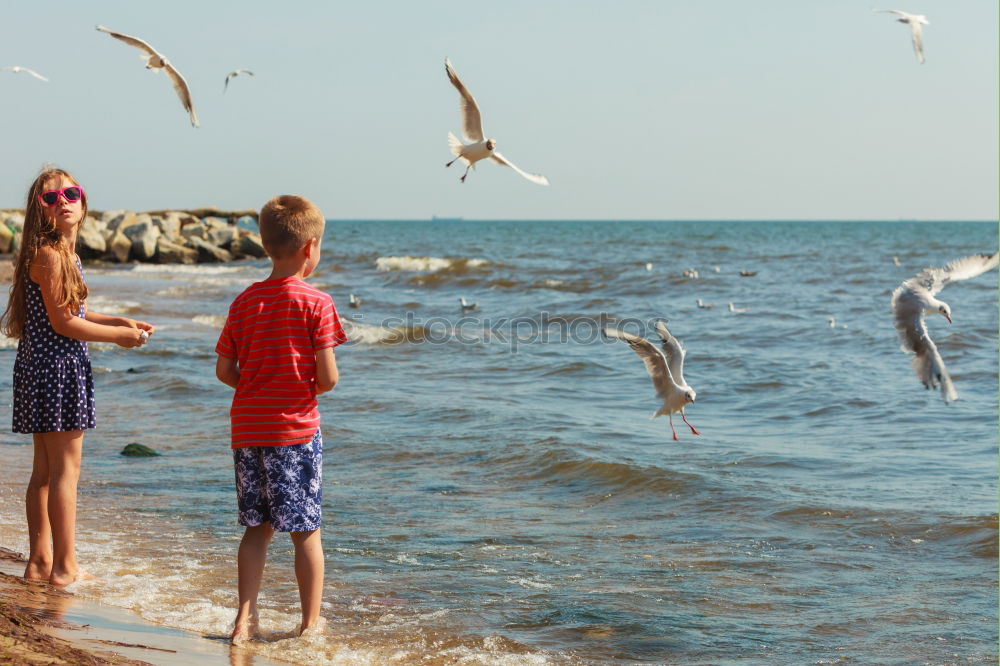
[64,451]
[309,575]
[36,504]
[250,565]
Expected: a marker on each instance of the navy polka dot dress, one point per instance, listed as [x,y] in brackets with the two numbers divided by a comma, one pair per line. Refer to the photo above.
[53,382]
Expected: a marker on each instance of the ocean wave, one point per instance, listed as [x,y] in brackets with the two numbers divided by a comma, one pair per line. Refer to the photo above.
[592,475]
[429,264]
[369,334]
[194,269]
[212,321]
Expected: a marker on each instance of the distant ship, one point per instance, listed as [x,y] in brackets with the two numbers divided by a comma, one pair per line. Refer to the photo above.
[435,218]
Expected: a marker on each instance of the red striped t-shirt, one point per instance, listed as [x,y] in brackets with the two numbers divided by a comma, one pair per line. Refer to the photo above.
[274,330]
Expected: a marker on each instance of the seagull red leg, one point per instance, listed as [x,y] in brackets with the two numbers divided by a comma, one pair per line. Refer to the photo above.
[689,425]
[670,417]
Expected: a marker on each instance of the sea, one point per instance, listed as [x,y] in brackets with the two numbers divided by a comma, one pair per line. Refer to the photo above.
[495,491]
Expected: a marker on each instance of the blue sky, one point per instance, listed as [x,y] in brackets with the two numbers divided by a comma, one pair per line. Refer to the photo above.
[658,109]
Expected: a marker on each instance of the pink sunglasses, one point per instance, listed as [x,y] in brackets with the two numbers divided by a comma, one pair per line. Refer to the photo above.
[71,194]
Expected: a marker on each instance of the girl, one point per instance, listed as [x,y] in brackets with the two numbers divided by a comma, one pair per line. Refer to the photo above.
[53,384]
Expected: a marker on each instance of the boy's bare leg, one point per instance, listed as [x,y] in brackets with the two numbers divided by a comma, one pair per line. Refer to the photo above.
[250,563]
[36,504]
[309,575]
[63,452]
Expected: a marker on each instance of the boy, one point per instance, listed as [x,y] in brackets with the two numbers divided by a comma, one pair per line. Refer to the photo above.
[276,350]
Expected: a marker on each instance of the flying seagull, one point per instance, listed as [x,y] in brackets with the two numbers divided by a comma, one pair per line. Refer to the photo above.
[472,128]
[914,21]
[915,298]
[18,68]
[156,62]
[233,74]
[666,368]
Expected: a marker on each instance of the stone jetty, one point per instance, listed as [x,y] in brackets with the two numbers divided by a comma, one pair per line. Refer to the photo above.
[203,235]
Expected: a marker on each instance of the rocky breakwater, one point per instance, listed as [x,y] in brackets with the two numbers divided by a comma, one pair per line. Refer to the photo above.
[165,237]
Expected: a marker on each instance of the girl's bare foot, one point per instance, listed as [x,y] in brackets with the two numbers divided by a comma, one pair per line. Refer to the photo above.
[245,630]
[37,572]
[64,579]
[315,629]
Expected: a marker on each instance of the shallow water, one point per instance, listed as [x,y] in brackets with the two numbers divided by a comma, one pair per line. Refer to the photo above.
[495,490]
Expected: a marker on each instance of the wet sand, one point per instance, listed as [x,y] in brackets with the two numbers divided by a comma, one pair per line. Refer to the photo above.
[42,624]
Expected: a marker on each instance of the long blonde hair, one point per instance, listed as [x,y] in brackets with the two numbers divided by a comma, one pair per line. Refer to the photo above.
[40,231]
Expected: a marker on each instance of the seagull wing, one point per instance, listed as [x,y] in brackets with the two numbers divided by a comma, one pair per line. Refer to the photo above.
[673,351]
[472,121]
[918,40]
[131,41]
[533,177]
[656,364]
[35,74]
[927,362]
[180,85]
[936,279]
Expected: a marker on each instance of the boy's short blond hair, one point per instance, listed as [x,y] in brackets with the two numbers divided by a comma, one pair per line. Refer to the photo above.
[287,222]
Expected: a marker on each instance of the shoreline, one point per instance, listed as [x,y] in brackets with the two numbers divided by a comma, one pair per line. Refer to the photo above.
[43,624]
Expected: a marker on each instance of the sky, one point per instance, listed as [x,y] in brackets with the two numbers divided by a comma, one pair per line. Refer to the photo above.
[634,109]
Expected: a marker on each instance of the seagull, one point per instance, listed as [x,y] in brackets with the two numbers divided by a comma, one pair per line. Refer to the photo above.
[467,306]
[733,308]
[915,21]
[704,306]
[472,128]
[895,260]
[649,266]
[18,68]
[915,298]
[156,62]
[666,368]
[354,301]
[691,273]
[233,74]
[746,273]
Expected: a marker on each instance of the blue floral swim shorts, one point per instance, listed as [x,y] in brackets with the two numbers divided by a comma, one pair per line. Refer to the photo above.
[282,485]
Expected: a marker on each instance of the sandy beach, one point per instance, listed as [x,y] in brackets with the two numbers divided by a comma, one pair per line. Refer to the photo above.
[42,624]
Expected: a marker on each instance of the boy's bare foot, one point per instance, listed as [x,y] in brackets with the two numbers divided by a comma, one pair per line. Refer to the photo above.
[245,630]
[63,579]
[317,628]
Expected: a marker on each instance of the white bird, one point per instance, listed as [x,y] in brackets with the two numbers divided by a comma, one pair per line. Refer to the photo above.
[914,21]
[472,128]
[833,322]
[704,306]
[666,368]
[915,298]
[467,306]
[354,301]
[155,61]
[233,74]
[18,68]
[733,308]
[895,260]
[691,273]
[649,266]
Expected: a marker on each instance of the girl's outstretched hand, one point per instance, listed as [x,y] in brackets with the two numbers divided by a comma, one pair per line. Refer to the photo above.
[129,336]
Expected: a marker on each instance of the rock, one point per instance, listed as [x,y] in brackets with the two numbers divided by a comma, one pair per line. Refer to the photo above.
[222,236]
[121,221]
[169,224]
[143,235]
[208,253]
[194,229]
[120,247]
[248,245]
[168,252]
[137,450]
[215,223]
[90,244]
